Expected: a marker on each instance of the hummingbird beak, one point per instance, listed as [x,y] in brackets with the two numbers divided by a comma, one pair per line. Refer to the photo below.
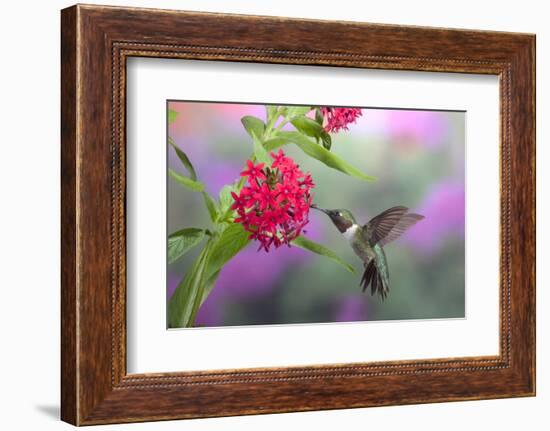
[319,209]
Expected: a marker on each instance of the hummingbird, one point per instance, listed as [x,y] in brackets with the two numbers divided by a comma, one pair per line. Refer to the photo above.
[368,241]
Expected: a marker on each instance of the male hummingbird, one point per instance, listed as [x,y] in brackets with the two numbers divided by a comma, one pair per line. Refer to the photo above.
[368,241]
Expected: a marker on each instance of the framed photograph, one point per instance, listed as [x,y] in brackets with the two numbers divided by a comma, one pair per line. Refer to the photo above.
[332,222]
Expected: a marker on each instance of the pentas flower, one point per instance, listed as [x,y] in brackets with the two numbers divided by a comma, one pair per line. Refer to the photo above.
[274,203]
[336,119]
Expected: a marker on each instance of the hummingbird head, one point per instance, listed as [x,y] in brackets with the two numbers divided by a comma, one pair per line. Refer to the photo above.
[343,219]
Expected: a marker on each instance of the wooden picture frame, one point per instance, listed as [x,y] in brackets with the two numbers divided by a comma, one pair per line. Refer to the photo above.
[95,43]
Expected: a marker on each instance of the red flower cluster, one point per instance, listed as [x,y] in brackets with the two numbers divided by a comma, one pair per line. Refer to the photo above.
[336,119]
[274,204]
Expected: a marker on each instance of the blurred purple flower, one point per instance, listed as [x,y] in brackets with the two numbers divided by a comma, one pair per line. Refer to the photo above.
[230,114]
[172,283]
[247,276]
[426,128]
[217,173]
[250,275]
[444,217]
[351,309]
[211,311]
[407,129]
[193,146]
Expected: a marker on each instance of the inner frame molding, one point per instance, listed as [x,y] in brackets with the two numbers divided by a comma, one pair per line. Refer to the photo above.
[121,52]
[96,42]
[150,348]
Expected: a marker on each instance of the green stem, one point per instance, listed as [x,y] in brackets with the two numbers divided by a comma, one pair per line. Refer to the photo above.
[268,134]
[270,123]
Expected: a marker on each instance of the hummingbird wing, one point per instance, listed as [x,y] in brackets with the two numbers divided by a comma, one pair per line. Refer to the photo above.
[400,227]
[381,225]
[389,225]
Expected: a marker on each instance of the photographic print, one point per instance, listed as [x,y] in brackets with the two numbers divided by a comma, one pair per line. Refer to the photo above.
[283,214]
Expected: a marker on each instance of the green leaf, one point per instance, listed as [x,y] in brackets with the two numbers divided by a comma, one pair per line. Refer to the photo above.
[319,116]
[186,182]
[211,206]
[271,110]
[274,143]
[307,126]
[182,241]
[323,155]
[253,125]
[296,111]
[225,198]
[184,160]
[326,139]
[210,283]
[230,242]
[319,249]
[260,152]
[172,115]
[185,301]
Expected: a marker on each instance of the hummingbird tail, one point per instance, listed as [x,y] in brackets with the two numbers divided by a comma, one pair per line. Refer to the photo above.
[373,277]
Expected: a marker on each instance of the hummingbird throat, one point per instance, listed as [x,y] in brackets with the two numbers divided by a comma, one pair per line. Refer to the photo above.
[349,233]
